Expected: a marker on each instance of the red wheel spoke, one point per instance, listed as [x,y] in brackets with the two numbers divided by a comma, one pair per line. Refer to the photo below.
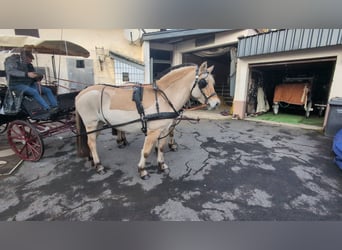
[29,133]
[13,130]
[33,149]
[34,144]
[15,137]
[23,151]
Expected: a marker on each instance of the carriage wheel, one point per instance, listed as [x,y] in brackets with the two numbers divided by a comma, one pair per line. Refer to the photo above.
[25,141]
[3,127]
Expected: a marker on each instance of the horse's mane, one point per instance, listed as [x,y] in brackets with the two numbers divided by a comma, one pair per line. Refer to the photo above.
[168,70]
[167,77]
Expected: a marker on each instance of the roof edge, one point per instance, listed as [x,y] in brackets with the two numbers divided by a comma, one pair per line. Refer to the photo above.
[178,33]
[116,54]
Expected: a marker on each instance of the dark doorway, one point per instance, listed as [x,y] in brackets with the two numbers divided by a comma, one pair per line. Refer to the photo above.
[221,71]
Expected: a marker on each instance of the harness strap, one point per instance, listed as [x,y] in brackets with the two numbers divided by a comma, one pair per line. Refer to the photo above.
[168,101]
[151,117]
[137,97]
[101,106]
[161,116]
[155,88]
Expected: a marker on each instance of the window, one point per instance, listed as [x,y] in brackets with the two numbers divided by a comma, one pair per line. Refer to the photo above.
[80,64]
[27,32]
[125,76]
[125,70]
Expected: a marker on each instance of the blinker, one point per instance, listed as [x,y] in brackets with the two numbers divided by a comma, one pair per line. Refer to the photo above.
[202,83]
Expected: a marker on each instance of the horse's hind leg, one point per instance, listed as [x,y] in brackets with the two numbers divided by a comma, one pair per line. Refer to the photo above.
[149,142]
[121,139]
[95,157]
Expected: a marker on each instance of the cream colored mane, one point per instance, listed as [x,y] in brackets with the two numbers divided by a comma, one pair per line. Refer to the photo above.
[173,76]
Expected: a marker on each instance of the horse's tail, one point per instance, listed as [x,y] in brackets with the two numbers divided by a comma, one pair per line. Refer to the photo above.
[82,138]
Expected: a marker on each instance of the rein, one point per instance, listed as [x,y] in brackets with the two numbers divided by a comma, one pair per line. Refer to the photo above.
[166,114]
[197,107]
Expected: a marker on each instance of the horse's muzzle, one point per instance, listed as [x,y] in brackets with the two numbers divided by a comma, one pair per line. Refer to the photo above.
[213,103]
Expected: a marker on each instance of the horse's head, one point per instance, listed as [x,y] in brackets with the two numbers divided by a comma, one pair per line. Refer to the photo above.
[203,89]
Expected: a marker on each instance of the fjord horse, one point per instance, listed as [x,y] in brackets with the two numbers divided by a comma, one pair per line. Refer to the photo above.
[159,105]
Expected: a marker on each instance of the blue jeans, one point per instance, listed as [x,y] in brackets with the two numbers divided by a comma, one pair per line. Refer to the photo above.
[33,92]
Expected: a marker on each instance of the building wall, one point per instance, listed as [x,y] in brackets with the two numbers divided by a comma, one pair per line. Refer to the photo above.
[102,39]
[221,39]
[115,40]
[239,104]
[108,39]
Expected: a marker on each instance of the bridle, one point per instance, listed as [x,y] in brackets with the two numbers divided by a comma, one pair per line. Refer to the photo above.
[202,83]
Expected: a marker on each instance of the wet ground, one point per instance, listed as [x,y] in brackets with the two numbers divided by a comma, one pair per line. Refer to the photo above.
[224,170]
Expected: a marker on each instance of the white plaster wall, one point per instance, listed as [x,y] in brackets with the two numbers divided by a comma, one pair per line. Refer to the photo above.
[7,32]
[109,39]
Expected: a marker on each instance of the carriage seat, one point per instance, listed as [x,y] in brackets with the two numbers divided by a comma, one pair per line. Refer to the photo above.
[2,73]
[19,99]
[3,87]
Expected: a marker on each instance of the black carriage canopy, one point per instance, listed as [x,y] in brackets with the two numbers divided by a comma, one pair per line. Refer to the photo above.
[54,47]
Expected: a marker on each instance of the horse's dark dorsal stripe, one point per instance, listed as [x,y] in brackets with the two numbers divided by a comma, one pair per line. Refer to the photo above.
[164,72]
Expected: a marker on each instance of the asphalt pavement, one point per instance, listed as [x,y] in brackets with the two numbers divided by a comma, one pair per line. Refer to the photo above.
[224,170]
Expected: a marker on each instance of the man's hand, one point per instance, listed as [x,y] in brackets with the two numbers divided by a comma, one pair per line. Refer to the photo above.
[32,74]
[35,75]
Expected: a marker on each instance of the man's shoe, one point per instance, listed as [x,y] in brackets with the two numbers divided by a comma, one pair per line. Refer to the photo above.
[54,110]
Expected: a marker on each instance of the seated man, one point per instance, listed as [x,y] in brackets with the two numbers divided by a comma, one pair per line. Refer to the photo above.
[22,77]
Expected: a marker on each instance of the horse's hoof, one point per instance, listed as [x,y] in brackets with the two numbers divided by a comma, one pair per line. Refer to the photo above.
[122,143]
[173,146]
[100,169]
[145,177]
[101,172]
[165,171]
[163,168]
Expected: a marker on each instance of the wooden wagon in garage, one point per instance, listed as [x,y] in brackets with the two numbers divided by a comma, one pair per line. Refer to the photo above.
[294,92]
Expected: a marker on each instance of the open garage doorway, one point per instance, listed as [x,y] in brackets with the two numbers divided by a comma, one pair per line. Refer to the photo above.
[224,61]
[290,92]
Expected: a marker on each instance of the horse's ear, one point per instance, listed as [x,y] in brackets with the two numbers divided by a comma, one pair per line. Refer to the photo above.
[203,67]
[210,69]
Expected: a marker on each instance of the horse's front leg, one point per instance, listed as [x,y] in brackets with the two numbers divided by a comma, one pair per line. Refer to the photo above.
[160,155]
[95,157]
[172,142]
[149,142]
